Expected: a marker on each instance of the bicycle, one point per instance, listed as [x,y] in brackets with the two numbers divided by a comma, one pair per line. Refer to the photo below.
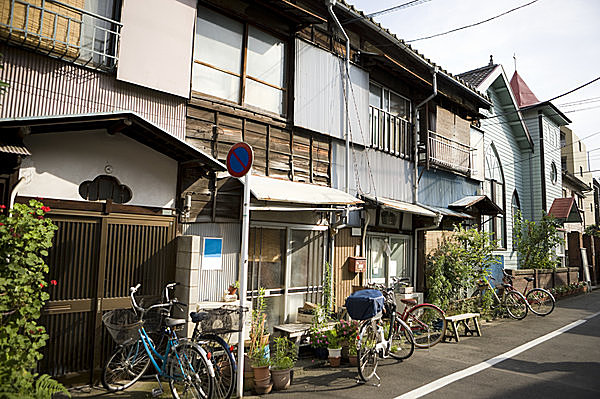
[540,301]
[183,363]
[375,341]
[427,321]
[208,325]
[512,300]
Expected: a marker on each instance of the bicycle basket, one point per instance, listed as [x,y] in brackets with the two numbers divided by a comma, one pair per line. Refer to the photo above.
[123,325]
[223,320]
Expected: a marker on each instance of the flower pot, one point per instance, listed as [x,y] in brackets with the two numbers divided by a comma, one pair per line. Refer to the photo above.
[261,373]
[337,352]
[281,379]
[335,361]
[353,360]
[321,353]
[248,379]
[263,386]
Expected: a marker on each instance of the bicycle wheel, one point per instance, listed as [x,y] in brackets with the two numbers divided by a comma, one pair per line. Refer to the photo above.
[223,364]
[540,301]
[402,341]
[189,375]
[515,304]
[367,350]
[125,366]
[427,323]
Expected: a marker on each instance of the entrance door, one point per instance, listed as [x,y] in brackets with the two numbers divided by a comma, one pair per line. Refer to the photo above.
[95,258]
[389,256]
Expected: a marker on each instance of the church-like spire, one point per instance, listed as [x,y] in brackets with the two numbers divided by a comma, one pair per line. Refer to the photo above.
[522,92]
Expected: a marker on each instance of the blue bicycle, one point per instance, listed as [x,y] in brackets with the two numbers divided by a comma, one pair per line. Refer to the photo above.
[184,364]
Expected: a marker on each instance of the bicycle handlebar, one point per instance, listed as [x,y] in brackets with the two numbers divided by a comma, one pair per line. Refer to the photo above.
[168,302]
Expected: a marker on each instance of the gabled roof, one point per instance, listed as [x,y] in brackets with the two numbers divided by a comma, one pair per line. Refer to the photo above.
[522,92]
[565,210]
[476,76]
[481,202]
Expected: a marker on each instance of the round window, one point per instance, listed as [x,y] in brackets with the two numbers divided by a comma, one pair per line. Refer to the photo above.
[554,173]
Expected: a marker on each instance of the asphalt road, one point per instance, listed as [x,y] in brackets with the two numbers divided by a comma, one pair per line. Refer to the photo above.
[565,365]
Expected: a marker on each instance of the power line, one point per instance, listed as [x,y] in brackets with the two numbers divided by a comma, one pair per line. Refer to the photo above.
[474,24]
[388,10]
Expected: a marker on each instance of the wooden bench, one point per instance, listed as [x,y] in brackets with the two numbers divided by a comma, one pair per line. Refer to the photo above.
[297,331]
[454,321]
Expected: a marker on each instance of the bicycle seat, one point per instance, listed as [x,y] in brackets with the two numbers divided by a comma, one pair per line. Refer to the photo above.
[197,317]
[170,322]
[530,279]
[409,301]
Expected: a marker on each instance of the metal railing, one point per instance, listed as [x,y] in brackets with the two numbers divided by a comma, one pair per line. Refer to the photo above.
[62,31]
[389,133]
[449,153]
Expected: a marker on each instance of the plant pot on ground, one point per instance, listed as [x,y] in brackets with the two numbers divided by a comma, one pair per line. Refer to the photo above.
[334,348]
[282,360]
[352,354]
[263,386]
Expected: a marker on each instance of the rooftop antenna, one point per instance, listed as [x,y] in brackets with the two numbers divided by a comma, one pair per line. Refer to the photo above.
[515,60]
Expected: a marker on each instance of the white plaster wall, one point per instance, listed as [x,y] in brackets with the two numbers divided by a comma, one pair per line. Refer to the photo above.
[62,161]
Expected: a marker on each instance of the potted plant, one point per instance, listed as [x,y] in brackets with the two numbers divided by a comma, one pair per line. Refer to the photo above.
[282,362]
[260,365]
[318,341]
[346,333]
[233,287]
[353,353]
[334,347]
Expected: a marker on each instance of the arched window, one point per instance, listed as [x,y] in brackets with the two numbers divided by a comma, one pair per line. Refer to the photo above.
[515,204]
[495,189]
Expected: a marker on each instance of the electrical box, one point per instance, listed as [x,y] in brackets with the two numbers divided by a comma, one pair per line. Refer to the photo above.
[357,264]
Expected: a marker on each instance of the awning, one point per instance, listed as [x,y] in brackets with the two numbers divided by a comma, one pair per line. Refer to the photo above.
[400,205]
[127,123]
[565,210]
[449,212]
[277,190]
[14,149]
[481,202]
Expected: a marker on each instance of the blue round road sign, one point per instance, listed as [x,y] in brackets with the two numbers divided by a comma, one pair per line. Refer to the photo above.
[239,159]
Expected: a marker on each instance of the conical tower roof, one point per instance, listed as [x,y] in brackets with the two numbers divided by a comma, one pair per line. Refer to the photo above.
[522,92]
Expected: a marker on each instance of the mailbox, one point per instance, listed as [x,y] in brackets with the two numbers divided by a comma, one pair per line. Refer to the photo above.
[357,264]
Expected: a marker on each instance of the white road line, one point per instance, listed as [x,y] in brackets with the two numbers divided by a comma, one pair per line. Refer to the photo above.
[449,379]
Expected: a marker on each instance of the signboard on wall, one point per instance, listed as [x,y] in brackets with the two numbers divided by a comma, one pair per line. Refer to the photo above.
[212,253]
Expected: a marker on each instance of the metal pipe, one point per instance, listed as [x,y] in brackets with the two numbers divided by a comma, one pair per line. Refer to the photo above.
[416,127]
[292,209]
[330,4]
[15,189]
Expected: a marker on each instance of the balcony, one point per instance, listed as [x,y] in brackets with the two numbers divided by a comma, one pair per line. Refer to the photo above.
[390,133]
[448,153]
[62,31]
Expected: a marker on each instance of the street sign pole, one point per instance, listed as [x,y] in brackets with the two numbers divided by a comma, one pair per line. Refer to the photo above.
[243,282]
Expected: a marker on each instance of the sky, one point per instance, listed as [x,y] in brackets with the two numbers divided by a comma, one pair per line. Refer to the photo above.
[556,44]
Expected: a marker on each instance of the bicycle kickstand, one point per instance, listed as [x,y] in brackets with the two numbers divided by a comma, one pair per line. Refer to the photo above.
[156,392]
[378,384]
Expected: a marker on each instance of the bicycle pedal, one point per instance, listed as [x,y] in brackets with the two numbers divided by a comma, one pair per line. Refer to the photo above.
[156,392]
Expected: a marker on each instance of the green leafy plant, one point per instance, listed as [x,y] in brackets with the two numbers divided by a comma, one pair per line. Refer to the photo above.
[25,237]
[346,330]
[259,357]
[333,341]
[258,323]
[535,242]
[593,230]
[352,349]
[285,354]
[318,338]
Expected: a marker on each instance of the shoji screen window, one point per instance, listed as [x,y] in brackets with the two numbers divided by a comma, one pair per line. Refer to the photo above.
[238,62]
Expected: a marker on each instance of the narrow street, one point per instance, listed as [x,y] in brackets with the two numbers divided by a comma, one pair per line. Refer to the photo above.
[563,366]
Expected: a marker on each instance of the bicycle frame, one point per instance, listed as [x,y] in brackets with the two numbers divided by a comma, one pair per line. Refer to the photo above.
[152,352]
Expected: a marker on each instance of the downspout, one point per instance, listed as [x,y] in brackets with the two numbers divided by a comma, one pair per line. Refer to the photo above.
[436,224]
[330,4]
[416,125]
[15,190]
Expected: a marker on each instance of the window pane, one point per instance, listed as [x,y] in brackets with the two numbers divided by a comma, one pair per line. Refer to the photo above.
[374,95]
[386,100]
[218,40]
[399,106]
[265,258]
[376,261]
[307,258]
[216,83]
[263,96]
[266,56]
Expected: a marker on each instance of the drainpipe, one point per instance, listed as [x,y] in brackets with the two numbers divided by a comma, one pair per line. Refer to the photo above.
[416,124]
[436,224]
[330,4]
[15,190]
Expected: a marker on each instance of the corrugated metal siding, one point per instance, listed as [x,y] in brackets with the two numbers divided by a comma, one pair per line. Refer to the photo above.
[345,246]
[373,172]
[42,86]
[319,94]
[213,284]
[440,188]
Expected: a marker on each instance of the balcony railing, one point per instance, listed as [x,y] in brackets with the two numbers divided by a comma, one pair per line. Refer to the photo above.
[62,31]
[449,153]
[389,133]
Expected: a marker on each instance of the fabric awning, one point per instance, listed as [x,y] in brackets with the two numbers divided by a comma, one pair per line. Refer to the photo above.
[400,206]
[565,210]
[14,149]
[277,190]
[481,202]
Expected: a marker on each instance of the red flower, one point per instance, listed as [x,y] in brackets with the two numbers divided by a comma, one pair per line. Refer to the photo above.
[2,206]
[53,282]
[46,208]
[1,224]
[40,217]
[41,285]
[31,332]
[40,329]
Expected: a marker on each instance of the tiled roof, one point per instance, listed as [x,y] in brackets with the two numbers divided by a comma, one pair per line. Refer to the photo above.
[476,76]
[522,92]
[565,210]
[402,43]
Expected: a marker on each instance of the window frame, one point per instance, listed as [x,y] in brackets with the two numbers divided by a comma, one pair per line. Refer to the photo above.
[493,185]
[243,76]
